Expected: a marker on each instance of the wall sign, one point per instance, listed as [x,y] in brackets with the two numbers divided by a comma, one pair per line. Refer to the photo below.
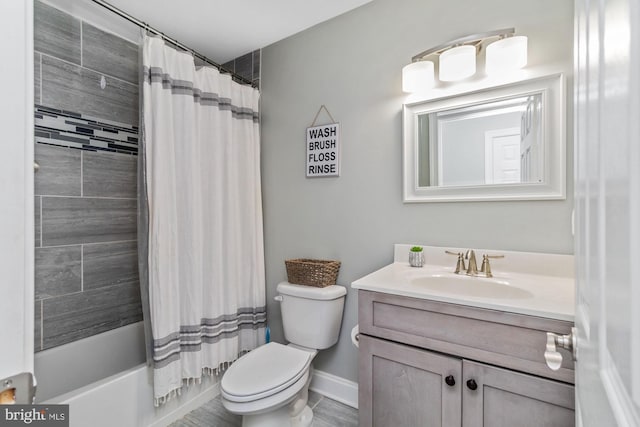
[323,150]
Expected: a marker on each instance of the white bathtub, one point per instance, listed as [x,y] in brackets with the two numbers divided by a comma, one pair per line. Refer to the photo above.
[70,366]
[126,400]
[106,383]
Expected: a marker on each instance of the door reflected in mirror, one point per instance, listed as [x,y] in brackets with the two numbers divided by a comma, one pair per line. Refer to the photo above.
[497,142]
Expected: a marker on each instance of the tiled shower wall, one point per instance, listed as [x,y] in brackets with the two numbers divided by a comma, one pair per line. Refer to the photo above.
[86,138]
[247,66]
[86,273]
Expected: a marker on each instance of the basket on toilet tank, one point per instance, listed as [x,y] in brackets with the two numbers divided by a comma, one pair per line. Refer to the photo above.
[312,272]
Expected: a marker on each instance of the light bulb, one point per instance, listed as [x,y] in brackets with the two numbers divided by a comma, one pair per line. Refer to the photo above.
[457,63]
[418,76]
[506,54]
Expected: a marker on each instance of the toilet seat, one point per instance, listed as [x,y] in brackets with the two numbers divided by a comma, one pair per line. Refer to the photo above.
[265,371]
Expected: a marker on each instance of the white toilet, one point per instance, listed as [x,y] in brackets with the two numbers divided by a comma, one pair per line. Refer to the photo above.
[269,385]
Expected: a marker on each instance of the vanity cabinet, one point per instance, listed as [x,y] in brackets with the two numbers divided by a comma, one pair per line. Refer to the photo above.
[427,363]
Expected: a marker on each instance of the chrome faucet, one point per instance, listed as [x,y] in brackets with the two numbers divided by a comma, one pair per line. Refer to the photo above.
[472,267]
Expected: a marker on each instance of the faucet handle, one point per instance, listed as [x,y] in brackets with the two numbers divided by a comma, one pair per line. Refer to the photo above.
[460,264]
[486,267]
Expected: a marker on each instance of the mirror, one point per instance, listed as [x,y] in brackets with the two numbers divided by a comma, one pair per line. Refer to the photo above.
[502,143]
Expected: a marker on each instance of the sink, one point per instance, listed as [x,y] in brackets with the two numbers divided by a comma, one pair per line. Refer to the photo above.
[470,286]
[533,284]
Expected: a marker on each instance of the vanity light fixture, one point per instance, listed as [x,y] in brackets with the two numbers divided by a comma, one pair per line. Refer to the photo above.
[506,54]
[418,76]
[457,63]
[457,59]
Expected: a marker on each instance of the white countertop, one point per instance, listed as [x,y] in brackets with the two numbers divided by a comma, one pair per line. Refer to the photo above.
[545,283]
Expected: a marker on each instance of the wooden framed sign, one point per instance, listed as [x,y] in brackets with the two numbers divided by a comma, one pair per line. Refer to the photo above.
[323,150]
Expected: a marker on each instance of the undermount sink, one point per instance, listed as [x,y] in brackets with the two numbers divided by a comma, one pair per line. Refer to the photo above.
[470,286]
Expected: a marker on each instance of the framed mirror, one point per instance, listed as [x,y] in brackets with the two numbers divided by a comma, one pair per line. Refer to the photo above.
[501,143]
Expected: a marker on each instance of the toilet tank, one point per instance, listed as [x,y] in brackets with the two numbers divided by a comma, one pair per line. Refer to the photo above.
[311,317]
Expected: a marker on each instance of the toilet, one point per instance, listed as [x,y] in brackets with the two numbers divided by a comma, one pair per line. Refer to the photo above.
[269,386]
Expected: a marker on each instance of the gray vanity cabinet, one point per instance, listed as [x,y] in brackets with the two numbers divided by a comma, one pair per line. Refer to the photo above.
[504,398]
[414,381]
[426,363]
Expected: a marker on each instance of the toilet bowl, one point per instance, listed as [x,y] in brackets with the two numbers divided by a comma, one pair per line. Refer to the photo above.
[269,385]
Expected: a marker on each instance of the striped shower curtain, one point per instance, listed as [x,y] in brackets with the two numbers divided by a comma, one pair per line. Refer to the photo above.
[206,284]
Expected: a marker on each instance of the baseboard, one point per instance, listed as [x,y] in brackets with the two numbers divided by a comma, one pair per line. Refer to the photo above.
[336,388]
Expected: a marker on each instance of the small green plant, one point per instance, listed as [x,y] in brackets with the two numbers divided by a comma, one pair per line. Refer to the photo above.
[416,249]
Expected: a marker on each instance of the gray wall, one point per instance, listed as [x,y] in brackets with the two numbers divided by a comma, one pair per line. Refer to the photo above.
[352,64]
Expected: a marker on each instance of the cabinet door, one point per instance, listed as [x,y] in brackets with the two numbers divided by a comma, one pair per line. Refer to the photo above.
[504,398]
[402,386]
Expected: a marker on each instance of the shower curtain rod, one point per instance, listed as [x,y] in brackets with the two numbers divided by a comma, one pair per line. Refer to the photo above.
[149,28]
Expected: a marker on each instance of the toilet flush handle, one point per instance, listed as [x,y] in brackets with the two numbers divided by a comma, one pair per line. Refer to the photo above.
[278,298]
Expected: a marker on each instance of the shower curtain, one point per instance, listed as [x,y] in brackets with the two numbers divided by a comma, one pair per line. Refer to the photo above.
[201,165]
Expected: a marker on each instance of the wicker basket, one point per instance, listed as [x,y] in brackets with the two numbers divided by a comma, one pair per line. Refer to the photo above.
[312,272]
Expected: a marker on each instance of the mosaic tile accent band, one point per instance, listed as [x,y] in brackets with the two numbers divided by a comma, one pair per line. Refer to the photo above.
[74,130]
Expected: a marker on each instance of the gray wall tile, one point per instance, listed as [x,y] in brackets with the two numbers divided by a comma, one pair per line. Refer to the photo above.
[67,221]
[111,297]
[56,33]
[37,321]
[69,87]
[230,66]
[109,174]
[57,271]
[72,317]
[36,78]
[247,66]
[36,221]
[108,264]
[59,173]
[109,54]
[256,64]
[244,66]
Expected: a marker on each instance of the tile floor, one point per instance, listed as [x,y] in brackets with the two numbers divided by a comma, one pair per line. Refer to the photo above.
[326,413]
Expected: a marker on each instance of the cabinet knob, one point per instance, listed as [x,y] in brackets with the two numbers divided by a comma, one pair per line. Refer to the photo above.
[472,384]
[450,380]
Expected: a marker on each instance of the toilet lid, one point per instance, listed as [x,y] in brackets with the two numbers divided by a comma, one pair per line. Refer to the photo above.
[264,371]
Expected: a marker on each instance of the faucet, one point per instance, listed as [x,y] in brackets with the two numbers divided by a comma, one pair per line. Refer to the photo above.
[460,264]
[486,267]
[472,269]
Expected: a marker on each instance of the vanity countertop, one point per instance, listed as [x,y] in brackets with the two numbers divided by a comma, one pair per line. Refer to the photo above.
[533,284]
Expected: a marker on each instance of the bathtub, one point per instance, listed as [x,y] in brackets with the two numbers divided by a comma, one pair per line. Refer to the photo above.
[105,381]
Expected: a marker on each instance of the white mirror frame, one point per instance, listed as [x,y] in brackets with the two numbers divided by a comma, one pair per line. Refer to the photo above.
[554,185]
